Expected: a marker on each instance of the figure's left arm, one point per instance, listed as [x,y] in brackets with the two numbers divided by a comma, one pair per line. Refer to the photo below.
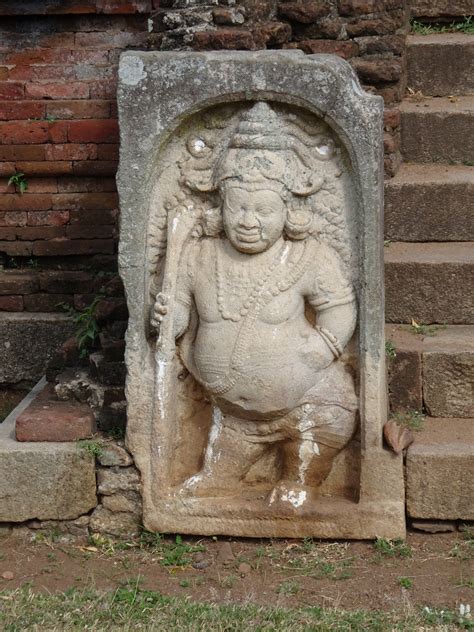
[333,299]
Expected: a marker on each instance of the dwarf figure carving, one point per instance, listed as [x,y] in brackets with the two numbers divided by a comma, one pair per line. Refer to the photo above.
[262,310]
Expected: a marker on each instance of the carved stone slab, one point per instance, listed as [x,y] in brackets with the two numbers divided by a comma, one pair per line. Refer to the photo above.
[251,252]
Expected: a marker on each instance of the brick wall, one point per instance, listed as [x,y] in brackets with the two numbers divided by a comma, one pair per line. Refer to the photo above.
[58,65]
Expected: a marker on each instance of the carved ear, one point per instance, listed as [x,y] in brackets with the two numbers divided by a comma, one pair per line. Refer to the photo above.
[299,221]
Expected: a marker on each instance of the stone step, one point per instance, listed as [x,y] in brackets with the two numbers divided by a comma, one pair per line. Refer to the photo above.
[432,371]
[438,129]
[40,480]
[441,8]
[429,282]
[440,65]
[430,203]
[440,471]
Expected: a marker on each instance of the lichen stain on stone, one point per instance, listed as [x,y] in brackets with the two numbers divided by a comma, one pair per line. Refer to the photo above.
[131,71]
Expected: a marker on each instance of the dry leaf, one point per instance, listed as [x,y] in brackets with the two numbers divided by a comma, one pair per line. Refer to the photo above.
[397,437]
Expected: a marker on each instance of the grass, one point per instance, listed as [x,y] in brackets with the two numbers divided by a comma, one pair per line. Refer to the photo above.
[132,607]
[391,548]
[463,26]
[94,447]
[411,419]
[390,350]
[425,330]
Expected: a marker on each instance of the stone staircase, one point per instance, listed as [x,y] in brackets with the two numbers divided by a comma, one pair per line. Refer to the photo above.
[429,228]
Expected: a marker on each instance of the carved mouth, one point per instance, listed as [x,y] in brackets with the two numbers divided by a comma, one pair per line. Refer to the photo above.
[249,237]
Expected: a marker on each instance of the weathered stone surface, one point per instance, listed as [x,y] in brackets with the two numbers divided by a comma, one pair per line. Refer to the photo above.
[441,65]
[126,502]
[432,371]
[160,91]
[46,481]
[28,341]
[113,454]
[117,479]
[448,380]
[440,471]
[18,282]
[112,523]
[430,203]
[441,8]
[438,130]
[47,419]
[429,283]
[109,373]
[434,526]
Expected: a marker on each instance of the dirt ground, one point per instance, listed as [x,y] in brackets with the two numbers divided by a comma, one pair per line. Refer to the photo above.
[427,570]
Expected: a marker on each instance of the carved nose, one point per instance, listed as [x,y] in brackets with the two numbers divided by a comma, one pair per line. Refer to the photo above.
[248,220]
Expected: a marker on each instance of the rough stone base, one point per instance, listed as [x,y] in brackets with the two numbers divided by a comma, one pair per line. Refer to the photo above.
[44,481]
[440,471]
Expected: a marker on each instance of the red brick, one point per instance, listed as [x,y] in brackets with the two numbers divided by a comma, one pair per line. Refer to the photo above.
[392,118]
[33,233]
[83,185]
[39,73]
[345,49]
[376,70]
[385,25]
[21,110]
[42,185]
[59,247]
[92,201]
[67,90]
[65,281]
[95,168]
[53,420]
[22,152]
[109,39]
[49,168]
[305,12]
[18,282]
[8,234]
[105,89]
[11,90]
[359,7]
[46,302]
[31,132]
[16,41]
[108,152]
[16,248]
[89,57]
[94,109]
[16,202]
[13,218]
[48,218]
[272,34]
[36,56]
[223,39]
[7,168]
[11,303]
[80,231]
[102,131]
[71,151]
[3,73]
[94,218]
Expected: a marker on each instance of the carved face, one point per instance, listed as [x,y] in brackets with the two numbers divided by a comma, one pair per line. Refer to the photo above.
[253,220]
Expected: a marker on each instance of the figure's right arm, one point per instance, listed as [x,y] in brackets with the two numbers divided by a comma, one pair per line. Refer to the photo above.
[183,301]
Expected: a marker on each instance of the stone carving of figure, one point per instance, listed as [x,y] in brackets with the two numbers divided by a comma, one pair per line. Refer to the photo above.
[263,310]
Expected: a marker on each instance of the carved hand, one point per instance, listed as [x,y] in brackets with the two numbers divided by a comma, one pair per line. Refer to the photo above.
[160,309]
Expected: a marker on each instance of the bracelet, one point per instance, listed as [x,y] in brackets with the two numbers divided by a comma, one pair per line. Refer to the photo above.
[331,341]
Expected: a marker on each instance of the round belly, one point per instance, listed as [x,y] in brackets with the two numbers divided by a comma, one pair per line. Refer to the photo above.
[271,375]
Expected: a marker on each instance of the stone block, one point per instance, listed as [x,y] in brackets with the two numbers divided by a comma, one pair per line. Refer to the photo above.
[438,130]
[47,419]
[114,523]
[441,65]
[115,480]
[448,381]
[44,481]
[28,341]
[430,203]
[404,381]
[128,502]
[440,471]
[429,282]
[114,455]
[441,8]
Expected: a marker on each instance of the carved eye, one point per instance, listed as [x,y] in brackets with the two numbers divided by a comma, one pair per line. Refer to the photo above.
[197,146]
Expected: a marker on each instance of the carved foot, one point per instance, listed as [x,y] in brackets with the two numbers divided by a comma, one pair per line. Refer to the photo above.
[287,494]
[201,486]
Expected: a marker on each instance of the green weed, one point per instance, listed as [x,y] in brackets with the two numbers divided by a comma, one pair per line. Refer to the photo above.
[425,330]
[405,582]
[412,419]
[87,328]
[391,548]
[390,350]
[94,447]
[19,181]
[466,25]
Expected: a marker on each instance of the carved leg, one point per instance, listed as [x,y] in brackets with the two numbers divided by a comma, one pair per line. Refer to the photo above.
[229,456]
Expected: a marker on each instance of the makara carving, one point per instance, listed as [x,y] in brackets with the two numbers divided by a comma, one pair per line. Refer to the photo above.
[252,287]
